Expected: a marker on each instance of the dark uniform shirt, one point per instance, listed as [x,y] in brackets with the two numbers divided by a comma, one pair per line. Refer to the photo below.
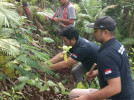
[85,52]
[113,62]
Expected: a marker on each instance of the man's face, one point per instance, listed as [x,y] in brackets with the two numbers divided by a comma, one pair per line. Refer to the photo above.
[67,41]
[63,2]
[98,33]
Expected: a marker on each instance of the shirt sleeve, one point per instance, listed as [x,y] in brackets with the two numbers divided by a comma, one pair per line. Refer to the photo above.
[108,66]
[72,13]
[79,54]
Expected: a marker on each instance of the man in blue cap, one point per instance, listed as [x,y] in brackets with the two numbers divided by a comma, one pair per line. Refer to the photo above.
[113,67]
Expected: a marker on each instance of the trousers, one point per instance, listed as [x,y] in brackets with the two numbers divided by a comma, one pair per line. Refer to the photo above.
[78,71]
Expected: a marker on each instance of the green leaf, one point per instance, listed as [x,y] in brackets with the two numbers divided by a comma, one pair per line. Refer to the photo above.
[31,82]
[44,88]
[50,83]
[29,37]
[10,46]
[65,57]
[39,84]
[65,93]
[132,49]
[6,93]
[11,18]
[132,73]
[57,75]
[23,79]
[26,67]
[80,86]
[62,87]
[56,90]
[2,17]
[19,93]
[47,12]
[20,86]
[6,32]
[48,40]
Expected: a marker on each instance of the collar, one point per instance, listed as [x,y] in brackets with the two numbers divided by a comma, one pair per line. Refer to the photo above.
[65,5]
[109,42]
[77,43]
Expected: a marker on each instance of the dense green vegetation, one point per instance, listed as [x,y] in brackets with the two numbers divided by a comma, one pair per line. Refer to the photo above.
[27,40]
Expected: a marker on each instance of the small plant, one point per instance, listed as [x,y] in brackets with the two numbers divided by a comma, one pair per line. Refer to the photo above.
[80,86]
[13,95]
[131,59]
[65,50]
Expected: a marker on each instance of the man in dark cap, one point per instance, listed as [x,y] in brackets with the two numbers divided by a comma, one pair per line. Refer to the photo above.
[113,67]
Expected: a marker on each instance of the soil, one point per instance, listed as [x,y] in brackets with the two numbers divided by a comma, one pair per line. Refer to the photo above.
[66,79]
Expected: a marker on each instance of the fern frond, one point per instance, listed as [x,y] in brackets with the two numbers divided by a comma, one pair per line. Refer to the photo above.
[85,16]
[34,48]
[22,71]
[8,15]
[34,64]
[6,5]
[90,6]
[6,32]
[102,13]
[9,47]
[40,55]
[128,41]
[12,16]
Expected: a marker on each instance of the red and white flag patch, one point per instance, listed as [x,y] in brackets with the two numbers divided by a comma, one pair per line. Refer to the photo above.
[108,71]
[74,55]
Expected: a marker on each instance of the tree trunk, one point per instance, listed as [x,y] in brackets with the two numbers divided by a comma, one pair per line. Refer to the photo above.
[28,13]
[131,31]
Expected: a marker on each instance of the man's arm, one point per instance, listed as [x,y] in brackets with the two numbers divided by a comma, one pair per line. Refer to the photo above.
[56,58]
[71,17]
[63,64]
[65,21]
[113,88]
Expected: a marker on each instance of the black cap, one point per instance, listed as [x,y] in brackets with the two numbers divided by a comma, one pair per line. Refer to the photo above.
[104,23]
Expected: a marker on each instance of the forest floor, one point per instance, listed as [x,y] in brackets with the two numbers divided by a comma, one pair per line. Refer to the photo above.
[64,77]
[33,93]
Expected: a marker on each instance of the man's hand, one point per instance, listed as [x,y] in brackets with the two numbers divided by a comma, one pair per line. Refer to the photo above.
[82,97]
[90,72]
[46,18]
[56,19]
[92,75]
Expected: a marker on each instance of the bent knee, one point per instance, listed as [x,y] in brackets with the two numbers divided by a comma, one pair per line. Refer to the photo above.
[73,71]
[73,94]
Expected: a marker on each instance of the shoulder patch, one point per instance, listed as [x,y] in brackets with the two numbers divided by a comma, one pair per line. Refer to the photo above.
[121,50]
[74,55]
[108,71]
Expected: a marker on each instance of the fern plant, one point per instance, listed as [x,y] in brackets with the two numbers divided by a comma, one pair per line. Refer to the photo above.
[90,10]
[8,15]
[8,46]
[8,18]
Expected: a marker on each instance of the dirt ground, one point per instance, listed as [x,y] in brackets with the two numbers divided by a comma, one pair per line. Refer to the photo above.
[66,79]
